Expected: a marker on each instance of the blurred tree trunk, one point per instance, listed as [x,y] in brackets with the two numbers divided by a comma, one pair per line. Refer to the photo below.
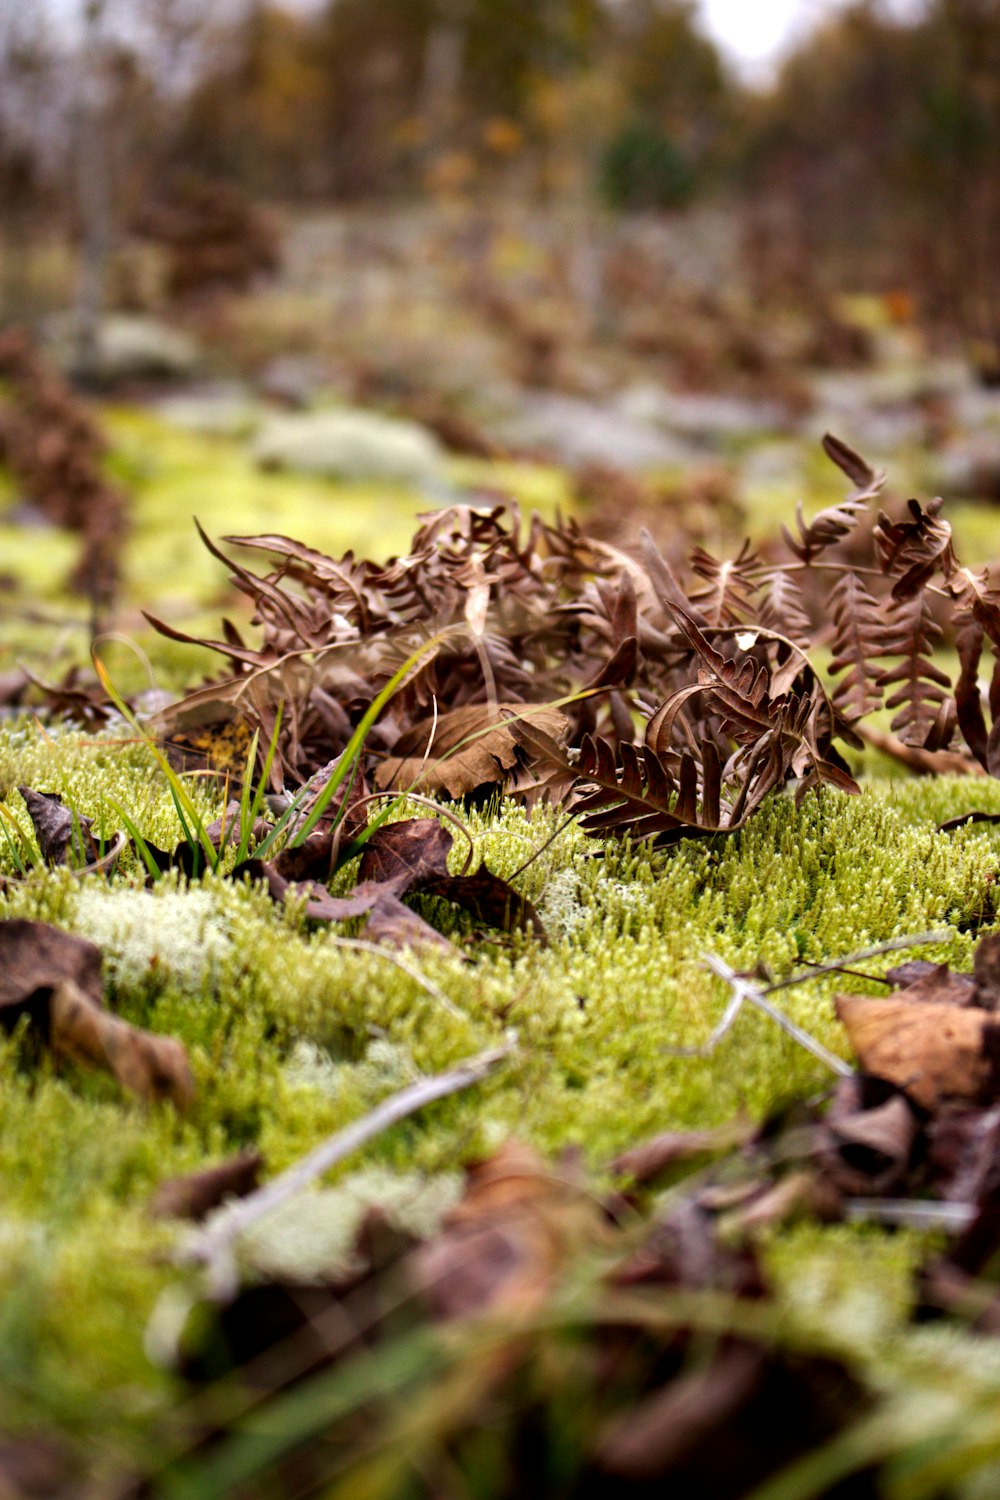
[93,193]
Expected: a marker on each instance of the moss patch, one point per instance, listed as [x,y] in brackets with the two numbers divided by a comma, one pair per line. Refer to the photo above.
[292,1036]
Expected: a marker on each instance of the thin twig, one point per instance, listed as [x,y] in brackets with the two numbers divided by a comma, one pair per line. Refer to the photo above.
[910,1213]
[914,940]
[851,974]
[743,990]
[561,828]
[213,1247]
[107,860]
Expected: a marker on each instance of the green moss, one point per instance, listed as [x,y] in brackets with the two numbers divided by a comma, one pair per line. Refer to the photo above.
[599,1014]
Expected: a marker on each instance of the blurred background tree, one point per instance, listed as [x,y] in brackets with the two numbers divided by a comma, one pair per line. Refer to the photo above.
[871,161]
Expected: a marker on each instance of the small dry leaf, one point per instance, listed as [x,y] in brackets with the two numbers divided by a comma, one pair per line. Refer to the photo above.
[645,1162]
[35,956]
[503,1244]
[933,1052]
[195,1195]
[986,971]
[57,828]
[489,900]
[470,747]
[867,1150]
[411,851]
[938,985]
[155,1067]
[397,926]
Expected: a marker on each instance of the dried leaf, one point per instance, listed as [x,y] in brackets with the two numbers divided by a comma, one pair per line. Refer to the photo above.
[937,985]
[646,1162]
[489,900]
[663,1431]
[963,1151]
[194,1196]
[913,633]
[837,521]
[986,972]
[410,851]
[55,979]
[868,1137]
[502,1246]
[155,1067]
[395,925]
[466,749]
[35,956]
[57,828]
[932,1052]
[860,639]
[912,551]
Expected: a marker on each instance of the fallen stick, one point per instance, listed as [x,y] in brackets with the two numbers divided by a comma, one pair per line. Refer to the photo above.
[911,1213]
[915,940]
[743,990]
[213,1246]
[922,762]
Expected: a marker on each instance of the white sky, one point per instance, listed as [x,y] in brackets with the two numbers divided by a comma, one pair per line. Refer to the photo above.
[754,33]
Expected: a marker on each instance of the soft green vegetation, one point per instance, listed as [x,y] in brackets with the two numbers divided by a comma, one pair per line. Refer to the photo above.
[292,1036]
[174,476]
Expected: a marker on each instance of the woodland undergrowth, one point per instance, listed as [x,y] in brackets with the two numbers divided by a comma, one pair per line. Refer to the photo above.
[508,792]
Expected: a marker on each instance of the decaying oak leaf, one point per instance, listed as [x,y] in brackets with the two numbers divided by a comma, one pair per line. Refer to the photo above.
[411,851]
[503,1245]
[471,747]
[55,979]
[932,1052]
[155,1067]
[195,1195]
[58,828]
[489,900]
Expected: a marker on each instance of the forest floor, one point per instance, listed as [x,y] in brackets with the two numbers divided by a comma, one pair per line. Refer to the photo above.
[291,1035]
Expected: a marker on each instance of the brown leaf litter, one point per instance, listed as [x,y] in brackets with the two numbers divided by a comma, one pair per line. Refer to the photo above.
[53,448]
[54,980]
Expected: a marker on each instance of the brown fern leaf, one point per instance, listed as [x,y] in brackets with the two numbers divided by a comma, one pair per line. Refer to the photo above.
[975,598]
[913,551]
[866,480]
[782,608]
[725,598]
[984,743]
[912,633]
[644,797]
[794,729]
[836,522]
[860,638]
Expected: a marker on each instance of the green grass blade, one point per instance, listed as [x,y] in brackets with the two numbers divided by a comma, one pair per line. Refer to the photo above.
[354,745]
[142,848]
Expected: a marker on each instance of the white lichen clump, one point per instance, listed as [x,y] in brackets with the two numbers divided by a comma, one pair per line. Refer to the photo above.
[560,908]
[180,936]
[313,1236]
[383,1068]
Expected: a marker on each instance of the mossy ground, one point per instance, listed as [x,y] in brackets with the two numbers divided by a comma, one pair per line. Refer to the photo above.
[291,1035]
